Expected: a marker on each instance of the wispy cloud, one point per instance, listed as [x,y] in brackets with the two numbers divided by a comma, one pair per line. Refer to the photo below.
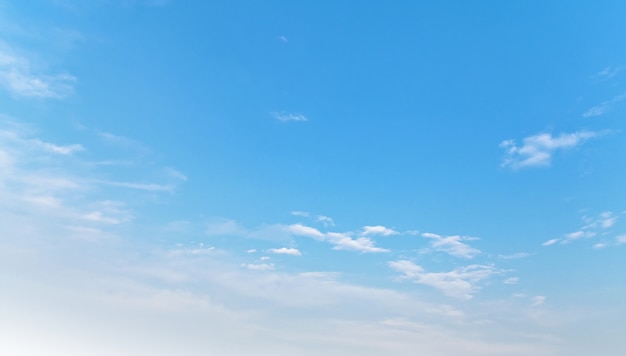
[325,220]
[151,187]
[537,150]
[285,116]
[604,107]
[459,283]
[608,72]
[514,256]
[452,245]
[592,228]
[17,77]
[538,300]
[512,280]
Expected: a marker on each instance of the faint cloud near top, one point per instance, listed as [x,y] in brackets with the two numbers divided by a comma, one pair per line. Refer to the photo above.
[285,116]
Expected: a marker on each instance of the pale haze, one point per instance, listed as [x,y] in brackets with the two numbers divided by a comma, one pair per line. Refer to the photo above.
[430,178]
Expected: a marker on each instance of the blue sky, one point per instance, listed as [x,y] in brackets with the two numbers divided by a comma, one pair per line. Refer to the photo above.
[280,178]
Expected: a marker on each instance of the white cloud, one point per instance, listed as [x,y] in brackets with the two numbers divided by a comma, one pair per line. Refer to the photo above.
[303,230]
[604,107]
[550,242]
[452,245]
[285,251]
[608,72]
[300,213]
[512,280]
[604,220]
[284,116]
[621,239]
[259,266]
[151,187]
[593,227]
[514,256]
[538,150]
[459,283]
[345,242]
[325,220]
[378,230]
[17,77]
[63,150]
[538,300]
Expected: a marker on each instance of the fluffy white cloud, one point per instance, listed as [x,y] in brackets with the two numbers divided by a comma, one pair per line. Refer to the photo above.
[452,245]
[345,242]
[303,230]
[285,251]
[459,283]
[378,230]
[538,150]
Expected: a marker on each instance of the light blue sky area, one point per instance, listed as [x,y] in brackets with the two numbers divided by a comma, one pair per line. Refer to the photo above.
[312,178]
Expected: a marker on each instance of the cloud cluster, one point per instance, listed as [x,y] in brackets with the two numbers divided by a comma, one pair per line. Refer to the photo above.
[460,283]
[593,227]
[452,245]
[341,241]
[538,150]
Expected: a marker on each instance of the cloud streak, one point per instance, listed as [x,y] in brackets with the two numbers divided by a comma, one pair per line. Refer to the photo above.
[285,116]
[604,107]
[17,78]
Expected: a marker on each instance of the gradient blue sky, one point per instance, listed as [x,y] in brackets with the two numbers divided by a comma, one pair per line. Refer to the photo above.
[308,178]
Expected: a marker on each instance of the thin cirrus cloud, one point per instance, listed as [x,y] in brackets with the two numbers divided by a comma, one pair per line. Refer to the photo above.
[604,107]
[538,150]
[17,78]
[593,227]
[461,282]
[286,116]
[452,245]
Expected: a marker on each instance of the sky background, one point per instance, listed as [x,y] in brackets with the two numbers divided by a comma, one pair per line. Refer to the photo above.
[307,178]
